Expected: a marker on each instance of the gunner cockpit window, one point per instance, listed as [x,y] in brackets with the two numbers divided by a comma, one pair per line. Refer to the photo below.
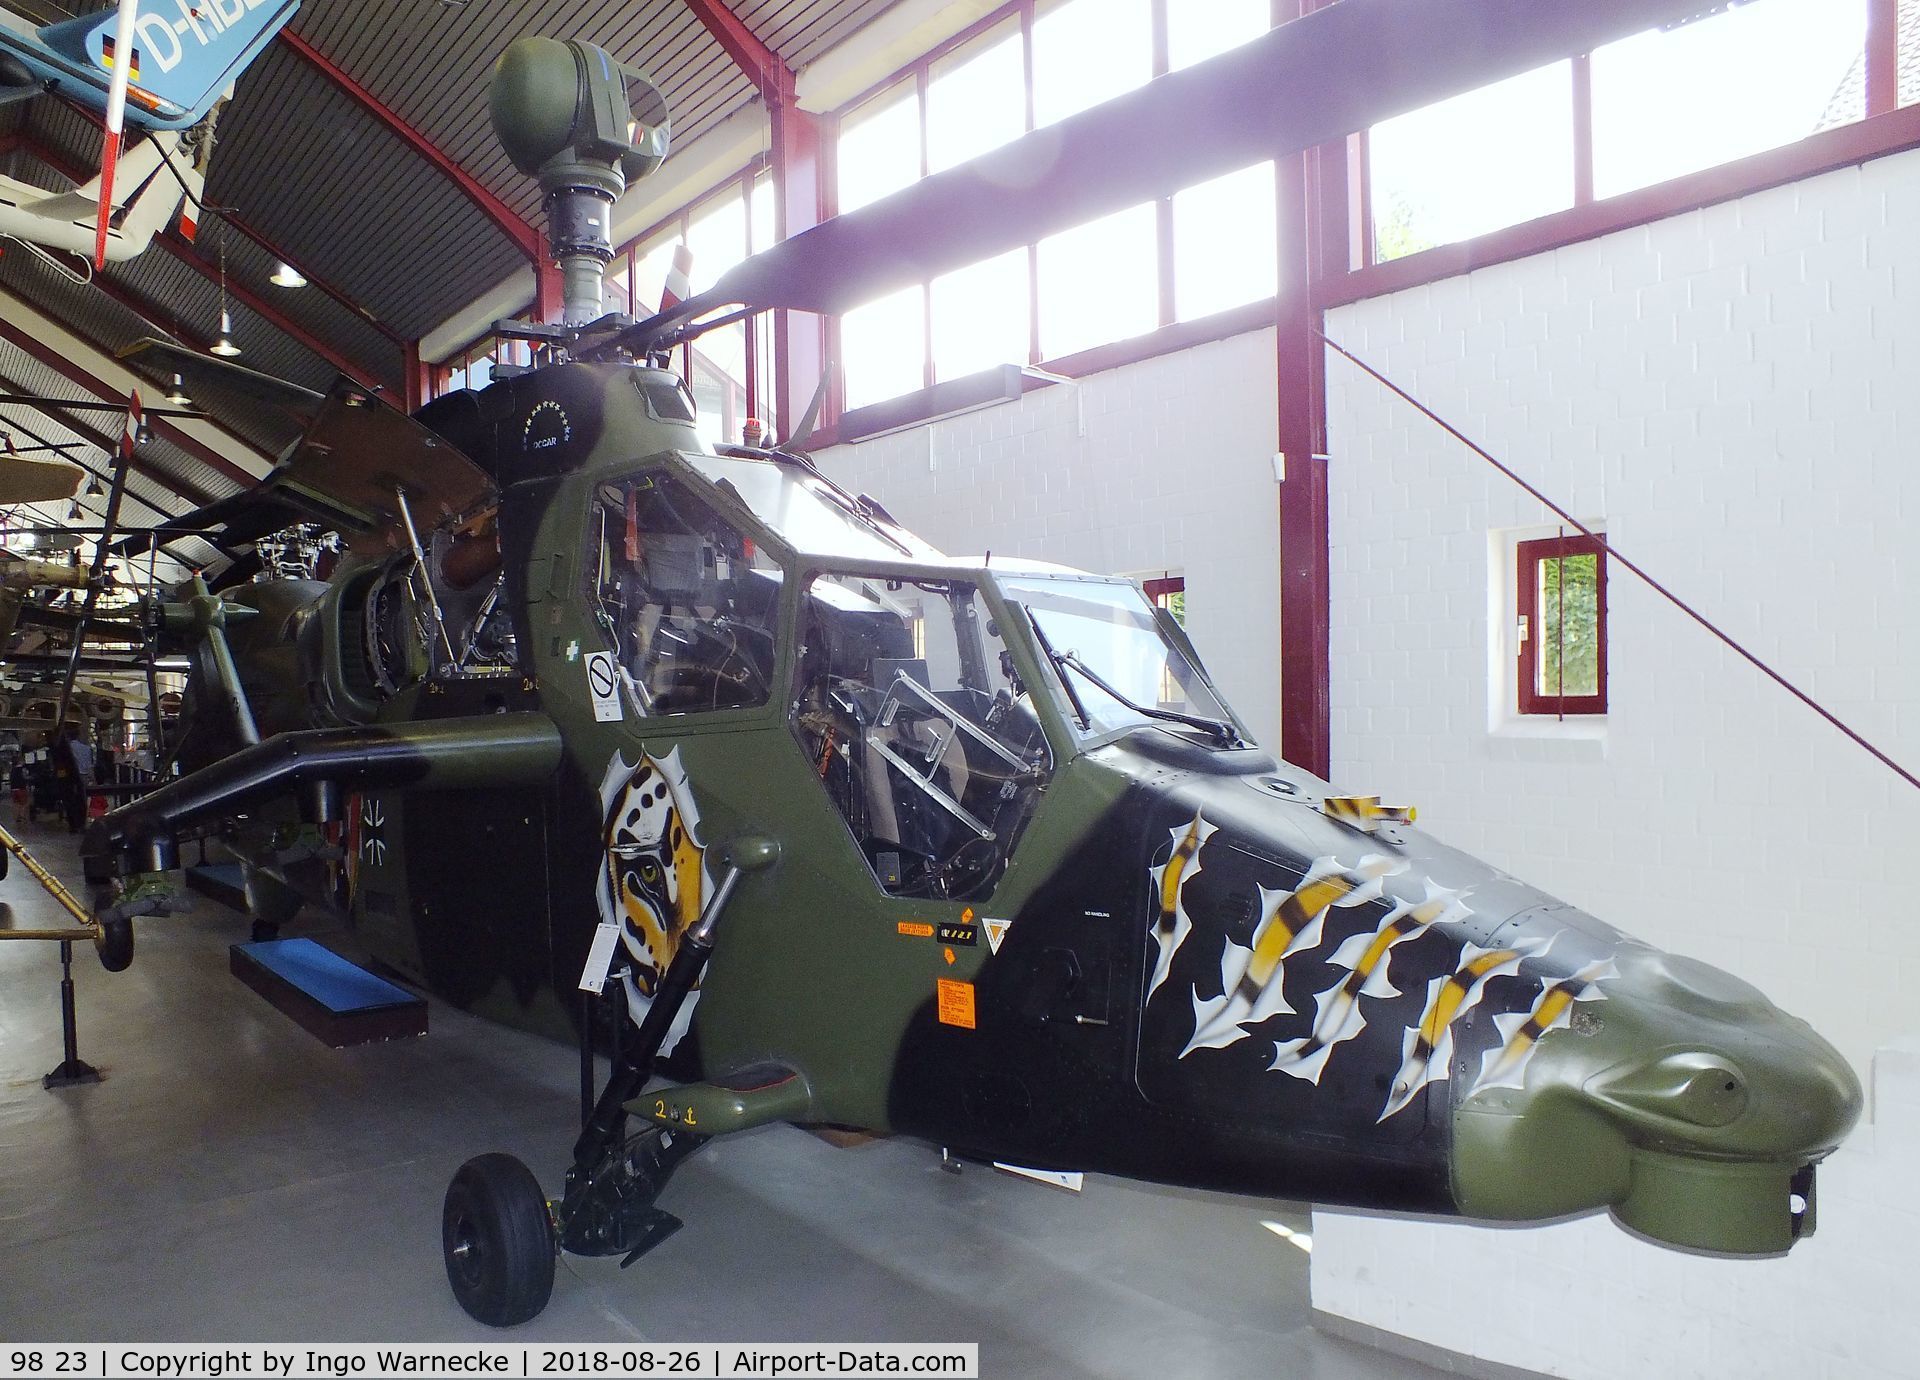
[910,711]
[684,599]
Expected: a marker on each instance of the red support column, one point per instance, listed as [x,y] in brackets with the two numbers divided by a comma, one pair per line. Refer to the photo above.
[419,380]
[1583,129]
[799,201]
[546,289]
[1883,56]
[1311,196]
[1305,582]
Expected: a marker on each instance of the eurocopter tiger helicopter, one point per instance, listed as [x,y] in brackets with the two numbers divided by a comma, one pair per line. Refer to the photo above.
[866,834]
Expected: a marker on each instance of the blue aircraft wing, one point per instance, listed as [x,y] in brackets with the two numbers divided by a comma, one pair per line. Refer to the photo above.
[185,54]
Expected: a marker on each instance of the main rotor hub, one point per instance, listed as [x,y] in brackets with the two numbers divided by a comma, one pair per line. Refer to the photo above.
[586,127]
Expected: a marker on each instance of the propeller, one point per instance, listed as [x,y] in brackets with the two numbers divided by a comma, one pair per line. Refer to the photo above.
[1331,73]
[110,149]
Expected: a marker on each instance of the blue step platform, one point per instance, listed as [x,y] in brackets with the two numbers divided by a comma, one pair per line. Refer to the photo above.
[337,1002]
[222,882]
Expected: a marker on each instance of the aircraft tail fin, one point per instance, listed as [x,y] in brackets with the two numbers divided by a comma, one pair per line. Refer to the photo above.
[66,220]
[175,71]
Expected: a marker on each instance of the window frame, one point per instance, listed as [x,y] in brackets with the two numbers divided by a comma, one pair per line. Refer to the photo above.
[1528,557]
[1888,126]
[1169,332]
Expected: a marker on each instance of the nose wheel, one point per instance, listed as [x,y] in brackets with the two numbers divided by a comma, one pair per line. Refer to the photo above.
[498,1240]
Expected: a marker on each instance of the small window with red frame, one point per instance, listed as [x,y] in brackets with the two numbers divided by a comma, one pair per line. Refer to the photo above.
[1170,593]
[1562,606]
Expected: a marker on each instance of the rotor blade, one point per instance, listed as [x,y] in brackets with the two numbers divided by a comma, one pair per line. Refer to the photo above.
[240,518]
[1333,72]
[205,371]
[37,481]
[94,405]
[116,117]
[115,492]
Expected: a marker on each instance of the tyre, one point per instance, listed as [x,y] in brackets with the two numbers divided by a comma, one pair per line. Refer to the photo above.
[498,1241]
[114,944]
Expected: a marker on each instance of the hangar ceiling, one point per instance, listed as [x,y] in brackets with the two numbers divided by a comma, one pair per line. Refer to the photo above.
[357,148]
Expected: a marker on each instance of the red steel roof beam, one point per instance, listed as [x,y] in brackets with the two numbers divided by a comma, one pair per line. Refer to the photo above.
[91,436]
[38,437]
[767,68]
[267,312]
[314,281]
[523,235]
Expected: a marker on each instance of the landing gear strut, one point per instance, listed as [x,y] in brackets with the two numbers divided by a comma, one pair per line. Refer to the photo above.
[607,1208]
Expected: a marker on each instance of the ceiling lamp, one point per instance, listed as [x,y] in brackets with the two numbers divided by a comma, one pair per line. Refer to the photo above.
[224,346]
[287,276]
[177,392]
[93,487]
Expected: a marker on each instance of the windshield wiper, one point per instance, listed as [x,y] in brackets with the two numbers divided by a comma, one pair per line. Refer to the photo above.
[1223,732]
[1060,669]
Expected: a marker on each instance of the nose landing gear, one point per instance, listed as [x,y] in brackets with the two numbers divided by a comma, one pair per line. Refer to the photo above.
[497,1230]
[498,1239]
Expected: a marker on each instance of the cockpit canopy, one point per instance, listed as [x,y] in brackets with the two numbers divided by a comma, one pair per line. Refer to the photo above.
[931,697]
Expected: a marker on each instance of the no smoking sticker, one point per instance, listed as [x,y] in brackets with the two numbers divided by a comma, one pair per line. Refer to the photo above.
[603,683]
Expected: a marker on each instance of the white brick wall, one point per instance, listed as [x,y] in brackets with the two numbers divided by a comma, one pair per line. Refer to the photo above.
[1162,465]
[1736,392]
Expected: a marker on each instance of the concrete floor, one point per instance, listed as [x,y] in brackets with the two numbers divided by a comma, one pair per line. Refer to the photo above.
[234,1179]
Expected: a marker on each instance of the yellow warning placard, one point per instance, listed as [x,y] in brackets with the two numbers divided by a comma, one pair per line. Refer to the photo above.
[955,1002]
[915,929]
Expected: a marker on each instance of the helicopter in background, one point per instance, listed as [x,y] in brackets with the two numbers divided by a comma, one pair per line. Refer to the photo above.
[859,833]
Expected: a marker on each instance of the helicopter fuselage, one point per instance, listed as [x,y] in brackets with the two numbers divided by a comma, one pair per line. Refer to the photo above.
[1019,910]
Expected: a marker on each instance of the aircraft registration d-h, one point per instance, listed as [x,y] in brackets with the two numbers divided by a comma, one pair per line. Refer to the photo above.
[971,850]
[164,67]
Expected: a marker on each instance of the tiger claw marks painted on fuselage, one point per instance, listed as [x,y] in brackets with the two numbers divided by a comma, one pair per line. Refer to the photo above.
[1564,1066]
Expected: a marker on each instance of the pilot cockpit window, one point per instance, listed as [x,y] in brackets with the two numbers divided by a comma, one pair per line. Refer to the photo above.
[911,713]
[1115,666]
[684,599]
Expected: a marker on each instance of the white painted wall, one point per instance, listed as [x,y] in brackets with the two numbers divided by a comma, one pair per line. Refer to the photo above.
[1736,393]
[1162,465]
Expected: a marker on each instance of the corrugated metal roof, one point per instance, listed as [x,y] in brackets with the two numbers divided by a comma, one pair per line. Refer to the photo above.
[432,67]
[331,322]
[310,169]
[801,30]
[313,172]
